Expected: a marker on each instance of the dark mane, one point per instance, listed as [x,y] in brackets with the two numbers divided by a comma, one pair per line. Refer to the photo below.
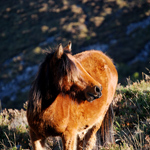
[49,80]
[65,68]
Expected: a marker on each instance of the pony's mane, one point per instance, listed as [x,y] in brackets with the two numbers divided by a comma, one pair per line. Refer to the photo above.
[44,88]
[65,68]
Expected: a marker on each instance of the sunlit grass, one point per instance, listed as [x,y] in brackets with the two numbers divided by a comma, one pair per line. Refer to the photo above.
[132,114]
[131,125]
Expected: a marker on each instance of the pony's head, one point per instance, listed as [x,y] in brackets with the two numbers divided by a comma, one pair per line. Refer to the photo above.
[62,73]
[71,78]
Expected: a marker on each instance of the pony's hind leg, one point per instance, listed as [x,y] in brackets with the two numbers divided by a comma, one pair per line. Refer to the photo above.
[37,143]
[105,134]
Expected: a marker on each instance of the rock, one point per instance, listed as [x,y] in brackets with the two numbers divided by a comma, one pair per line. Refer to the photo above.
[142,24]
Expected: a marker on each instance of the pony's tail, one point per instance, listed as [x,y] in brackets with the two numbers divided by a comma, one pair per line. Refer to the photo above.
[105,134]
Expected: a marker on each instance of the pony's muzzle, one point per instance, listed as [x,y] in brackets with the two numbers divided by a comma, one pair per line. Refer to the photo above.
[94,93]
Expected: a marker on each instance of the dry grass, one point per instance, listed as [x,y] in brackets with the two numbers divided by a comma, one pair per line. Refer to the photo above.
[13,130]
[132,122]
[132,111]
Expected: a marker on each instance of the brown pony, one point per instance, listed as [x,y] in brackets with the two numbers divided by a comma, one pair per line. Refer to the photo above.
[67,99]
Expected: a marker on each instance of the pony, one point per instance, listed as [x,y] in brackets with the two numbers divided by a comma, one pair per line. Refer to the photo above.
[71,97]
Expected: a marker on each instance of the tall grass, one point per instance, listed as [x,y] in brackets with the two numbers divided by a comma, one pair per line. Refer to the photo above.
[132,122]
[132,111]
[13,130]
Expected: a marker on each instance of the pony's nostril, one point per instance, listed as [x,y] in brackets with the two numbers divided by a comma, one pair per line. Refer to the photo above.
[97,89]
[94,93]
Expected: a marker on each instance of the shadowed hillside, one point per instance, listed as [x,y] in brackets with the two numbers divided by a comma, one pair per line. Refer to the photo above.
[119,28]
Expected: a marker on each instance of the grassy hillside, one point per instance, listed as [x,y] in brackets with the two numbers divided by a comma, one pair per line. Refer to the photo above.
[132,114]
[28,26]
[120,28]
[132,121]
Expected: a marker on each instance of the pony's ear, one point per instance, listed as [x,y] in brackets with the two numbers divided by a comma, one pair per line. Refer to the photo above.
[59,52]
[68,47]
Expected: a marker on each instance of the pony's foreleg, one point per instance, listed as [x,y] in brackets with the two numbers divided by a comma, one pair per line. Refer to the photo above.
[69,140]
[37,143]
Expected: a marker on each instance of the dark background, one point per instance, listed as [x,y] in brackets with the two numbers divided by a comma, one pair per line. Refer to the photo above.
[120,28]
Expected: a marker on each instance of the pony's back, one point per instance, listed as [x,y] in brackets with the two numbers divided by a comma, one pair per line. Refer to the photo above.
[101,68]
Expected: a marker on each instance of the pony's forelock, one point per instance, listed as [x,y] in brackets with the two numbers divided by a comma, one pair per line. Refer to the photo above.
[67,70]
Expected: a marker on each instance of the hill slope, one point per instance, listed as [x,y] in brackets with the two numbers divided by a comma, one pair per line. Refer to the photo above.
[120,28]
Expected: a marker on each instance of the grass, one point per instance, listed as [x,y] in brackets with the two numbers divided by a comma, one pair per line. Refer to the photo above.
[13,130]
[132,112]
[132,121]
